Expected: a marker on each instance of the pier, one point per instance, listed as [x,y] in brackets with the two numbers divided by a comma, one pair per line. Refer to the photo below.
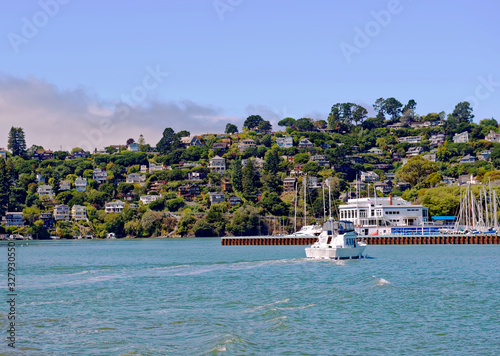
[487,239]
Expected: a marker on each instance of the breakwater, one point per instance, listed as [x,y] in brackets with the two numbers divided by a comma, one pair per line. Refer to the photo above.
[486,239]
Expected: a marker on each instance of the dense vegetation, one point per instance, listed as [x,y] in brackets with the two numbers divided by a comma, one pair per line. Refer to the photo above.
[265,207]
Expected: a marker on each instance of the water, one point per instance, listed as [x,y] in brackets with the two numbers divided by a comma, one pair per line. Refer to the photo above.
[196,297]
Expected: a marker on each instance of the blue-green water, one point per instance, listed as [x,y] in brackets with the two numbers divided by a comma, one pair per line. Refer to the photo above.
[196,297]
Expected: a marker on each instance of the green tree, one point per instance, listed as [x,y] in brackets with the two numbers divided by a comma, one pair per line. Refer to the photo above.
[265,126]
[231,129]
[416,171]
[4,187]
[248,178]
[392,107]
[359,114]
[304,124]
[272,161]
[168,141]
[253,121]
[237,176]
[287,122]
[17,142]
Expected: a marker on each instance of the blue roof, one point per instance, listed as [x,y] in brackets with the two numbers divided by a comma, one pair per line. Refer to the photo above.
[444,218]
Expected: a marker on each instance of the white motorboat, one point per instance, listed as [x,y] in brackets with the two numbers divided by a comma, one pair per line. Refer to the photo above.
[338,240]
[308,231]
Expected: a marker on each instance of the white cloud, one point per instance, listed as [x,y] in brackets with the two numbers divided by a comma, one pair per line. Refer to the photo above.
[55,118]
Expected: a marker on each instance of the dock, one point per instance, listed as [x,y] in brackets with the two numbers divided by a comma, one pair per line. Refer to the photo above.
[486,239]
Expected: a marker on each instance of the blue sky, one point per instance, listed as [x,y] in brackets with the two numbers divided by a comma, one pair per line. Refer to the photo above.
[67,81]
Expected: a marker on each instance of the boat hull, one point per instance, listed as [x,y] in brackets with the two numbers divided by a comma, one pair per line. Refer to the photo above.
[341,253]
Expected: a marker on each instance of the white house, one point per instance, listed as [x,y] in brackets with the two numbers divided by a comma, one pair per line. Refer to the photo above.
[467,159]
[414,151]
[437,140]
[217,164]
[284,142]
[147,199]
[153,167]
[411,139]
[216,197]
[305,143]
[61,212]
[64,185]
[136,178]
[244,144]
[100,176]
[79,212]
[81,184]
[369,177]
[461,137]
[133,147]
[114,207]
[493,137]
[375,151]
[45,189]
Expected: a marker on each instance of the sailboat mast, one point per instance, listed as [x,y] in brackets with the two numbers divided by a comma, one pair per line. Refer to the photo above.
[329,200]
[295,218]
[305,200]
[324,206]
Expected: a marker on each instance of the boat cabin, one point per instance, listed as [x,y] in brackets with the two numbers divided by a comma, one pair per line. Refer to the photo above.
[333,227]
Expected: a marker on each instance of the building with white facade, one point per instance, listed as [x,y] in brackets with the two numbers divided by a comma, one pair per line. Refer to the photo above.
[61,212]
[81,184]
[45,189]
[147,199]
[114,207]
[217,164]
[461,137]
[79,212]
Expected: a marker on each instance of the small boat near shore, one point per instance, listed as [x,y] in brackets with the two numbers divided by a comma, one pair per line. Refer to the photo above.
[338,240]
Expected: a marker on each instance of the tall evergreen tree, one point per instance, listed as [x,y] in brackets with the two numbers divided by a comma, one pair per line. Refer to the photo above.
[17,141]
[4,186]
[237,176]
[272,161]
[248,179]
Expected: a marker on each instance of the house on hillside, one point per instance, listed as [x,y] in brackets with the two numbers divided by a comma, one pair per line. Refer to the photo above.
[12,218]
[493,137]
[467,159]
[216,197]
[3,153]
[370,176]
[43,155]
[244,144]
[191,141]
[376,151]
[217,164]
[79,212]
[227,186]
[410,139]
[414,151]
[289,184]
[284,142]
[221,147]
[437,140]
[189,191]
[461,137]
[136,178]
[321,160]
[64,185]
[484,155]
[81,184]
[45,189]
[114,207]
[305,143]
[100,176]
[233,200]
[133,147]
[61,212]
[147,199]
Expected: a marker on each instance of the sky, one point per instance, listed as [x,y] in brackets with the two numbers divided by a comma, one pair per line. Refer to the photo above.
[88,74]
